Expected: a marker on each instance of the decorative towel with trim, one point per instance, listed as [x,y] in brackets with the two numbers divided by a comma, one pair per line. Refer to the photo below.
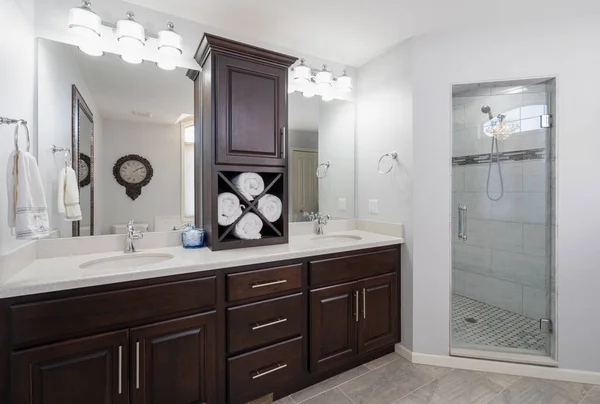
[27,209]
[249,227]
[229,208]
[270,207]
[249,185]
[68,195]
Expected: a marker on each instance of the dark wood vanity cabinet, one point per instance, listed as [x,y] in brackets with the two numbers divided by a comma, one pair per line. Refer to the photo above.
[226,336]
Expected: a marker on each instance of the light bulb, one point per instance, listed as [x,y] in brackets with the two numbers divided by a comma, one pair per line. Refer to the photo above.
[308,93]
[166,65]
[83,21]
[327,97]
[170,42]
[131,33]
[91,50]
[132,58]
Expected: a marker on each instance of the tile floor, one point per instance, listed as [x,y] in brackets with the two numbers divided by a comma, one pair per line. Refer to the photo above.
[495,327]
[394,380]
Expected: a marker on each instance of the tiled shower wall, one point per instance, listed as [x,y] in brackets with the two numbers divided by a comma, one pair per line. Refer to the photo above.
[504,260]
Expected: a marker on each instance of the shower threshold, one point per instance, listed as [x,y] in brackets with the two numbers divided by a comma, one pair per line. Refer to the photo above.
[534,358]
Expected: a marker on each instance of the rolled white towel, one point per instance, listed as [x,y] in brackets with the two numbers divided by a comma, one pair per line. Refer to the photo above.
[249,184]
[270,206]
[249,227]
[229,208]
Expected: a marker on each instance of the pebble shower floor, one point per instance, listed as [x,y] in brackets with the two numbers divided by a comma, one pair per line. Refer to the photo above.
[493,326]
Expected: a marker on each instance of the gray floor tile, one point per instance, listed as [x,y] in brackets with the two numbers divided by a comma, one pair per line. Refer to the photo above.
[457,387]
[391,382]
[593,396]
[502,380]
[335,396]
[539,391]
[384,360]
[328,384]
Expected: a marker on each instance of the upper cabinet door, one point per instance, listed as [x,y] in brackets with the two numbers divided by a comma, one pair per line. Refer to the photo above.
[174,361]
[90,370]
[378,312]
[251,112]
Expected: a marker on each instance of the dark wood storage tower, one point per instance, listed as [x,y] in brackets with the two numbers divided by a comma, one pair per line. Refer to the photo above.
[241,121]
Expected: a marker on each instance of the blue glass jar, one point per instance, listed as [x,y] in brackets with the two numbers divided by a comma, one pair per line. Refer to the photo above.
[192,237]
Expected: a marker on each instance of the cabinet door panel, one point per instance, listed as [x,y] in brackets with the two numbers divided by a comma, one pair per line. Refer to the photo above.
[89,370]
[379,314]
[251,112]
[174,361]
[333,326]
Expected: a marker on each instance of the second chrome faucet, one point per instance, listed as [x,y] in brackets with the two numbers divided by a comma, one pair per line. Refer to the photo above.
[132,234]
[321,220]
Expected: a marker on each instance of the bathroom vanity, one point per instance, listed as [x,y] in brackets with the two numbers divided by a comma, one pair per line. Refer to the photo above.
[232,334]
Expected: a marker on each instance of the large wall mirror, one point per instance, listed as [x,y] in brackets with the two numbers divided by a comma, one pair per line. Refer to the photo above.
[129,129]
[321,157]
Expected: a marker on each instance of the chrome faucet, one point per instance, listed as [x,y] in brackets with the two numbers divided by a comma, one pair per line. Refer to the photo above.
[132,234]
[318,217]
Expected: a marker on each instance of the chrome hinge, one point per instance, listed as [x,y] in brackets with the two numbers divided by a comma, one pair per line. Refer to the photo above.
[546,325]
[546,121]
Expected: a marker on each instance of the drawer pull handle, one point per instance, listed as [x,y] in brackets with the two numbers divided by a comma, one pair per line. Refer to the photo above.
[278,321]
[261,374]
[262,285]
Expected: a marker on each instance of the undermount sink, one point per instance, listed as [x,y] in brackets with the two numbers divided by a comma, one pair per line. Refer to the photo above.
[337,238]
[126,261]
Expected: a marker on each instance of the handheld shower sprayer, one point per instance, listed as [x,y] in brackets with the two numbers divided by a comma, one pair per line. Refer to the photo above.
[487,110]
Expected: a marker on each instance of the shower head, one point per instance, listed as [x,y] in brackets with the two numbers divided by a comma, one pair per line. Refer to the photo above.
[487,110]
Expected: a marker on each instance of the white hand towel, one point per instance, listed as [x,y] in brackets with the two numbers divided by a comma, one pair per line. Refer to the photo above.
[27,209]
[270,206]
[249,227]
[249,185]
[229,208]
[68,195]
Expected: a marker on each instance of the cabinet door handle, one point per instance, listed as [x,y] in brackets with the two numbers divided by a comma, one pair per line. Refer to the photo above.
[120,372]
[364,293]
[278,321]
[356,303]
[283,142]
[262,285]
[260,374]
[137,365]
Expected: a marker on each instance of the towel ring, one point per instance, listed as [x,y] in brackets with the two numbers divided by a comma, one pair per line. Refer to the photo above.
[393,155]
[22,123]
[326,164]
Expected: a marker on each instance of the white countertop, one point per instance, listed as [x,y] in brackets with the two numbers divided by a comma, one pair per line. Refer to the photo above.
[62,273]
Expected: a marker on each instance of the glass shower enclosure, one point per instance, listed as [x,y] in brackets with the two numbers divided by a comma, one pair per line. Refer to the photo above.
[503,214]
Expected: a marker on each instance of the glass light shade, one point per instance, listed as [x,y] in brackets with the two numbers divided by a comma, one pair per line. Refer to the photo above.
[166,65]
[308,93]
[84,22]
[170,42]
[327,97]
[302,72]
[132,58]
[344,82]
[91,49]
[324,79]
[130,33]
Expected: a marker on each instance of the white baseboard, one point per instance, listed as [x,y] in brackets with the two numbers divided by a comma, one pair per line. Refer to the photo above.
[481,365]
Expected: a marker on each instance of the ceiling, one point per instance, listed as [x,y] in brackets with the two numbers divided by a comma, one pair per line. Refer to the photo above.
[354,31]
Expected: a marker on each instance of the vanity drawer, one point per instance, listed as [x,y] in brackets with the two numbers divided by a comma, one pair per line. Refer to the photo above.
[246,285]
[264,371]
[57,319]
[264,322]
[352,267]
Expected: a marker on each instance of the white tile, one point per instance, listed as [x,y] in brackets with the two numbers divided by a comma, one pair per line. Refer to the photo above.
[458,179]
[536,88]
[534,139]
[478,204]
[534,240]
[465,142]
[534,105]
[534,176]
[473,258]
[520,207]
[505,236]
[477,232]
[499,293]
[512,176]
[507,90]
[535,303]
[521,268]
[473,115]
[458,116]
[506,104]
[458,281]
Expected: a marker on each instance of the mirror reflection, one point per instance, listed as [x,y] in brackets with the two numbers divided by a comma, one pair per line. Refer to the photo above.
[129,129]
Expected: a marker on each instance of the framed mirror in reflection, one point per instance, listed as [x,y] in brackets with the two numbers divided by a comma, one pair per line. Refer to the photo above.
[131,132]
[321,157]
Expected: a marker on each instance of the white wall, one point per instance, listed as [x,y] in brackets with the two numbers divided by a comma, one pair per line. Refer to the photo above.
[57,72]
[383,125]
[161,145]
[569,50]
[17,81]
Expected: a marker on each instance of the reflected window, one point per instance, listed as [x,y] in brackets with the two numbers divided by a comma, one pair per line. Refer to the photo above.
[522,119]
[187,169]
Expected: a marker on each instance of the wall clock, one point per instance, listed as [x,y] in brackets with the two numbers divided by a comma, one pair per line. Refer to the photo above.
[133,172]
[84,170]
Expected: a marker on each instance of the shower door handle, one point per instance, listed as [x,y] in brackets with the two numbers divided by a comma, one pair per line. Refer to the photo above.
[462,223]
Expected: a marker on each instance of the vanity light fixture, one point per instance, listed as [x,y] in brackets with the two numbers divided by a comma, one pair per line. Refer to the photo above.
[344,82]
[323,79]
[131,33]
[170,42]
[321,82]
[83,21]
[302,73]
